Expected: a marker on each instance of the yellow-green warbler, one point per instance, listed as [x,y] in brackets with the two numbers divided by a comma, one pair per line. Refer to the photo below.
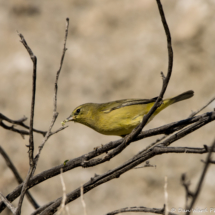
[119,117]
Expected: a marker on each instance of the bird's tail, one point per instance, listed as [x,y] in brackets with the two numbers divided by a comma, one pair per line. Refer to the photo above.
[183,96]
[170,101]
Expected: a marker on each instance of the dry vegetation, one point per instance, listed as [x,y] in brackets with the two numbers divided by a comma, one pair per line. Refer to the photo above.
[116,50]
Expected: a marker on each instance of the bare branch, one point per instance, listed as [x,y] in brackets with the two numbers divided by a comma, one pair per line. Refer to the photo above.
[165,79]
[163,129]
[186,183]
[115,173]
[139,209]
[61,64]
[11,128]
[31,140]
[196,112]
[190,116]
[168,141]
[131,137]
[33,161]
[58,130]
[212,161]
[199,186]
[111,174]
[55,114]
[63,205]
[87,161]
[82,200]
[23,132]
[34,60]
[166,196]
[18,122]
[80,161]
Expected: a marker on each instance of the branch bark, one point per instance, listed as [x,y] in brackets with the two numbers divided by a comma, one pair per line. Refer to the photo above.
[139,209]
[80,161]
[31,139]
[19,122]
[117,146]
[199,186]
[33,161]
[115,173]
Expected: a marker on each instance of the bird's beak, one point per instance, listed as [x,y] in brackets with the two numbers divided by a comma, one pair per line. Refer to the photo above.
[70,118]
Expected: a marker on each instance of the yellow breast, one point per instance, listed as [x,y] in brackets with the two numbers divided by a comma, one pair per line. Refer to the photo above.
[121,121]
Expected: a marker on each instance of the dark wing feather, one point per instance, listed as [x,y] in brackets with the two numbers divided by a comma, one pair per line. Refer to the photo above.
[123,103]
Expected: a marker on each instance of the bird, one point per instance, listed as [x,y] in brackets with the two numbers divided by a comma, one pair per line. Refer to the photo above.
[119,117]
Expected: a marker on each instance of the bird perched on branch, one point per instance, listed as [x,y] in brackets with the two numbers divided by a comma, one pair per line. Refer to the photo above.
[119,117]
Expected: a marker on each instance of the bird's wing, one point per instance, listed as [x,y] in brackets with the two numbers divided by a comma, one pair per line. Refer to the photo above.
[108,107]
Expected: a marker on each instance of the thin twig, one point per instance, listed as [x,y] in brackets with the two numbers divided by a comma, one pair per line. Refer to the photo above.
[106,177]
[12,128]
[55,114]
[212,161]
[19,122]
[31,140]
[166,79]
[169,70]
[82,200]
[136,131]
[58,130]
[182,133]
[125,167]
[166,196]
[114,173]
[139,209]
[190,116]
[199,186]
[207,117]
[33,161]
[186,184]
[196,112]
[61,64]
[166,142]
[63,206]
[80,161]
[34,76]
[17,176]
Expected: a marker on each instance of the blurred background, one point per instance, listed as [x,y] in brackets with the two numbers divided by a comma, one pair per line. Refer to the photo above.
[116,50]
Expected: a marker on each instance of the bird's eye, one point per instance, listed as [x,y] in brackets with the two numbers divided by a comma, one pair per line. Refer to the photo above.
[78,111]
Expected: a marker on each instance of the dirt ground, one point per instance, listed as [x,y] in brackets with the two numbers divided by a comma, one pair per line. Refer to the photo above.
[116,50]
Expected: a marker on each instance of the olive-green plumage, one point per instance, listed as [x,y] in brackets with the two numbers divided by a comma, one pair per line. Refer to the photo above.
[119,117]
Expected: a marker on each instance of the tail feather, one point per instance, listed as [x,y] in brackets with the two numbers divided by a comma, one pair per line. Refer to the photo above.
[183,96]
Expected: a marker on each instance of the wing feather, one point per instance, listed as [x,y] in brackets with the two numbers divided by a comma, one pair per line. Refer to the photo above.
[125,102]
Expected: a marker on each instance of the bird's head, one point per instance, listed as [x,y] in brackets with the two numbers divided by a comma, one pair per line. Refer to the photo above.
[81,114]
